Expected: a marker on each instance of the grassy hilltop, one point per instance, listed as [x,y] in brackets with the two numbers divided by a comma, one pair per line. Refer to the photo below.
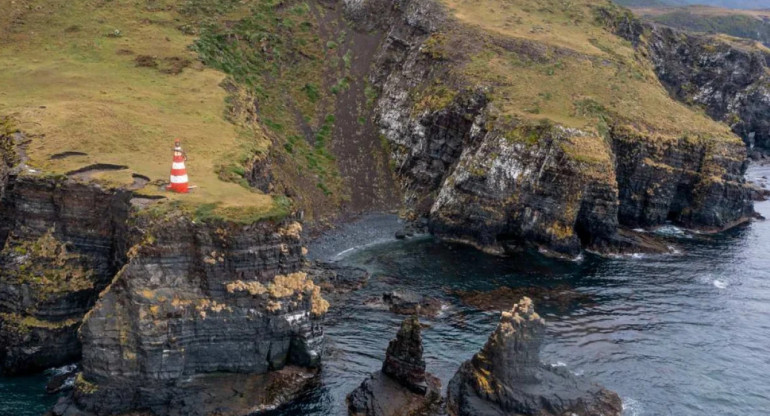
[117,81]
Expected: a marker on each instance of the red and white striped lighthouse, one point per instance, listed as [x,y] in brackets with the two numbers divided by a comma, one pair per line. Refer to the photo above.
[179,182]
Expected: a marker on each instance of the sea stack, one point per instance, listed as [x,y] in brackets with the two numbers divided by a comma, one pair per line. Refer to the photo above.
[507,377]
[403,387]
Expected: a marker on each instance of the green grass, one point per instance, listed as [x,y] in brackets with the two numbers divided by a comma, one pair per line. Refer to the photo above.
[276,53]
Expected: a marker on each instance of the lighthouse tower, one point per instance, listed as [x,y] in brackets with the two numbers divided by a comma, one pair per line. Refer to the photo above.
[179,182]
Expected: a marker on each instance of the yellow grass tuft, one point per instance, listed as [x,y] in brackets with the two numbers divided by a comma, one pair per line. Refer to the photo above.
[254,288]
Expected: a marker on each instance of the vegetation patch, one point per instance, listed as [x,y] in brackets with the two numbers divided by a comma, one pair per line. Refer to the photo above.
[45,265]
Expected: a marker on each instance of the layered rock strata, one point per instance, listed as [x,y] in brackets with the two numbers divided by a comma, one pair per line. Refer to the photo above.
[507,377]
[402,387]
[62,241]
[198,308]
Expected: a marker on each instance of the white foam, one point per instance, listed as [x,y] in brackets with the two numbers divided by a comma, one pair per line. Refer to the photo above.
[720,284]
[632,407]
[671,230]
[63,370]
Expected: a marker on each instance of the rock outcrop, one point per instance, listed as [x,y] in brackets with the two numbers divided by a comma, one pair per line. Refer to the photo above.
[62,243]
[8,154]
[507,377]
[402,387]
[201,310]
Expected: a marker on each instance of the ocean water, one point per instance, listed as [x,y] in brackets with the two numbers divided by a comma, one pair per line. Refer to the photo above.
[685,334]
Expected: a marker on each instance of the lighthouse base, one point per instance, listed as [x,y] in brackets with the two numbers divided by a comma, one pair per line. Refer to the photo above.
[181,188]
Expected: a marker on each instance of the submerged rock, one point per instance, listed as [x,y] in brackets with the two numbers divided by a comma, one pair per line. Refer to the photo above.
[507,377]
[403,387]
[336,278]
[410,303]
[62,379]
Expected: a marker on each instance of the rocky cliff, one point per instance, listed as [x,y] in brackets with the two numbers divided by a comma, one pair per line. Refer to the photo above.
[194,303]
[507,377]
[168,313]
[8,154]
[503,182]
[62,243]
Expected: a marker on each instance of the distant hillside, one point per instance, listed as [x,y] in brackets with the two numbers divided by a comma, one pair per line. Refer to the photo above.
[750,24]
[730,4]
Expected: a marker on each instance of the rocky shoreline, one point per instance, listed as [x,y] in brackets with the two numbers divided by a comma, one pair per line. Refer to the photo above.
[505,377]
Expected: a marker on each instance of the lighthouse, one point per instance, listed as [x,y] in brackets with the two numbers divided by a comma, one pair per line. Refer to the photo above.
[179,182]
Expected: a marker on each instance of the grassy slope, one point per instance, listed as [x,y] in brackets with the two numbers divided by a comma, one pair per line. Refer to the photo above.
[605,69]
[69,80]
[286,56]
[577,74]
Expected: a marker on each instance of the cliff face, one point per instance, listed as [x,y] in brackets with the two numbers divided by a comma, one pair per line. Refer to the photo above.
[500,182]
[699,185]
[507,377]
[196,301]
[729,81]
[62,243]
[167,313]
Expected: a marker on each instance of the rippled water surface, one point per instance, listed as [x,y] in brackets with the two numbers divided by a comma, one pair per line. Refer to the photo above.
[675,335]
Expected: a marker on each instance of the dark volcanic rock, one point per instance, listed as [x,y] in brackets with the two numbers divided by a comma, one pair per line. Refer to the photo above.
[507,377]
[403,359]
[728,78]
[402,387]
[200,311]
[505,186]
